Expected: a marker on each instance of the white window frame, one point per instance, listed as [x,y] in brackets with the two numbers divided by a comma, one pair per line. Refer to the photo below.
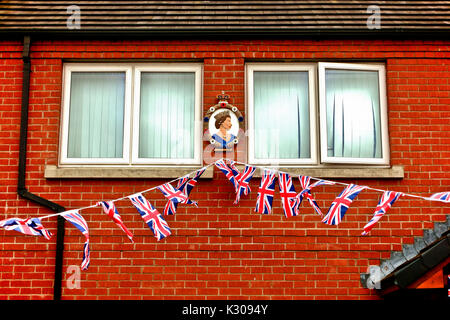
[131,113]
[310,68]
[67,76]
[380,68]
[197,70]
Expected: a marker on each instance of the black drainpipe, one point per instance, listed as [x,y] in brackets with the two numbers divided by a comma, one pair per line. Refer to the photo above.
[21,189]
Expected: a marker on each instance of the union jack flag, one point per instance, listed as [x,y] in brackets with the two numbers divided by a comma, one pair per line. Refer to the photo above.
[111,211]
[265,192]
[74,217]
[184,185]
[242,182]
[192,182]
[151,216]
[175,195]
[29,226]
[287,194]
[341,204]
[234,169]
[181,185]
[441,196]
[229,172]
[171,206]
[305,182]
[386,201]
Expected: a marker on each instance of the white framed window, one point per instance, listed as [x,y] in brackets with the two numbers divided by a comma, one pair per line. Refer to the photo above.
[281,114]
[96,114]
[131,114]
[351,113]
[167,114]
[353,109]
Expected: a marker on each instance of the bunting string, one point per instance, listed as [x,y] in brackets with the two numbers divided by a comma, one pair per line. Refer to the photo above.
[180,194]
[441,197]
[290,199]
[438,197]
[126,197]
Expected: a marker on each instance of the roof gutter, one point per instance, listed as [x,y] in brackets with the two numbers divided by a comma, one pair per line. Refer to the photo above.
[21,188]
[231,33]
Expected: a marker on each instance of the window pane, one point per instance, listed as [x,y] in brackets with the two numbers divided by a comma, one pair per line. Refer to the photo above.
[96,115]
[353,114]
[281,115]
[166,124]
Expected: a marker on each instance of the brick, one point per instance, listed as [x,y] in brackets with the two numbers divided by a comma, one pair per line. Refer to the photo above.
[220,250]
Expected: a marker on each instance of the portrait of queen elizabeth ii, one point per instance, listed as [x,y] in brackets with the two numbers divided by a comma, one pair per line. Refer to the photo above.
[223,123]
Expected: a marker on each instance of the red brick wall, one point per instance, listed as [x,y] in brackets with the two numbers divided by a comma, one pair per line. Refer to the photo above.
[219,250]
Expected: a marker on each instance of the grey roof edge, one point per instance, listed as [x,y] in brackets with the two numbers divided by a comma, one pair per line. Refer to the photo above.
[403,267]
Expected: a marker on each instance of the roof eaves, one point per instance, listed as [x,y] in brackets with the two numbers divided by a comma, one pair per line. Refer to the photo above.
[405,267]
[410,272]
[232,33]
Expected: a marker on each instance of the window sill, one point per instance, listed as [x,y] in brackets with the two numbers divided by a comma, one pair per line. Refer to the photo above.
[328,172]
[163,172]
[54,172]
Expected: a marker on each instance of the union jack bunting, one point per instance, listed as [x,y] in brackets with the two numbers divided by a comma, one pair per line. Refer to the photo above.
[182,182]
[341,204]
[265,192]
[386,201]
[175,195]
[306,185]
[229,173]
[310,198]
[235,170]
[184,185]
[151,216]
[192,182]
[441,196]
[30,226]
[287,194]
[448,285]
[171,207]
[242,182]
[111,211]
[78,221]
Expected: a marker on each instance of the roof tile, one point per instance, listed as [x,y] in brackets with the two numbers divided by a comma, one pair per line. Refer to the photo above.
[306,15]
